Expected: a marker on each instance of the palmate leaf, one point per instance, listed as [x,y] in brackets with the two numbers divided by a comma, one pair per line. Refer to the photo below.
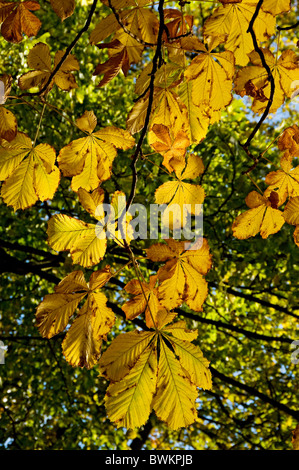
[82,344]
[289,142]
[39,59]
[284,182]
[173,148]
[232,20]
[145,299]
[182,276]
[29,173]
[89,159]
[141,380]
[285,72]
[262,217]
[211,74]
[16,18]
[87,243]
[180,196]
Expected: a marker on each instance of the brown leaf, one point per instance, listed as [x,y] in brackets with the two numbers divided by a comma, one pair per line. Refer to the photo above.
[18,20]
[63,9]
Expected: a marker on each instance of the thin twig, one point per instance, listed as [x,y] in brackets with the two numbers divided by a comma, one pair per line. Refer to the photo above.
[272,83]
[157,62]
[66,54]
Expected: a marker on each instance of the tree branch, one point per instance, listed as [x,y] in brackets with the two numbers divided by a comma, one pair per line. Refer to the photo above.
[272,82]
[66,54]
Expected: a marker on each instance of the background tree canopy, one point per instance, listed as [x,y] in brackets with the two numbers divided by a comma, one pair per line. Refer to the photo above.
[162,72]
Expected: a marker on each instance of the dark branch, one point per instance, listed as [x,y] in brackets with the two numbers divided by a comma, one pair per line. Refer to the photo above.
[157,62]
[254,392]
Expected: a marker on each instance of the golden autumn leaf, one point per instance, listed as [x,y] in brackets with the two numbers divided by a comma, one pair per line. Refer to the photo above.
[139,20]
[89,159]
[182,276]
[289,142]
[276,7]
[169,111]
[173,148]
[8,122]
[141,380]
[285,181]
[180,196]
[87,243]
[139,27]
[232,20]
[291,211]
[198,118]
[262,217]
[29,173]
[211,74]
[145,298]
[82,344]
[17,19]
[63,9]
[167,108]
[39,59]
[285,71]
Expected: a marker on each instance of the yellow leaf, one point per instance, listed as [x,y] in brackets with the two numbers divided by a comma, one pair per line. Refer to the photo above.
[192,360]
[233,20]
[87,243]
[182,276]
[211,74]
[289,142]
[291,211]
[89,159]
[132,365]
[262,217]
[285,181]
[197,118]
[181,197]
[74,282]
[174,401]
[180,331]
[104,28]
[82,343]
[276,7]
[253,79]
[53,314]
[39,58]
[80,347]
[103,316]
[145,299]
[169,111]
[8,122]
[128,402]
[29,173]
[123,354]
